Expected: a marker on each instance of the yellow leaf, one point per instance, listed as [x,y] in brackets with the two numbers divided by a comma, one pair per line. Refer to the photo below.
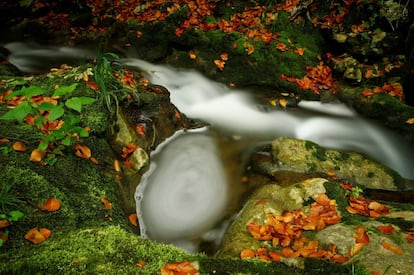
[410,120]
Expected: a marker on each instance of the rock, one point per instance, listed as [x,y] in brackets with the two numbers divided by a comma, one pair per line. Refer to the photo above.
[287,154]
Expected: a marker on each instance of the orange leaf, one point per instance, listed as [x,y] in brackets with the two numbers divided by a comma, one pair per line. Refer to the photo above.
[92,84]
[410,238]
[19,146]
[386,229]
[51,205]
[82,151]
[247,254]
[220,64]
[361,236]
[192,55]
[275,256]
[179,268]
[45,232]
[4,140]
[140,264]
[140,129]
[392,248]
[4,223]
[117,166]
[94,160]
[300,51]
[323,199]
[281,47]
[133,219]
[224,56]
[250,49]
[36,235]
[356,248]
[410,120]
[37,156]
[106,203]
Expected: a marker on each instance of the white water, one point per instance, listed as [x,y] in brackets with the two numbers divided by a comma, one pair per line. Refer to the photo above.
[234,111]
[332,125]
[185,193]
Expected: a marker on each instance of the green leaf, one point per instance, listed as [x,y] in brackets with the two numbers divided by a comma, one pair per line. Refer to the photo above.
[76,103]
[45,106]
[18,113]
[63,90]
[17,82]
[28,92]
[67,141]
[15,215]
[81,131]
[56,112]
[39,121]
[43,145]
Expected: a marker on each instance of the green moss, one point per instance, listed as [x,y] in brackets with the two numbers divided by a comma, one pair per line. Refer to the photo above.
[91,250]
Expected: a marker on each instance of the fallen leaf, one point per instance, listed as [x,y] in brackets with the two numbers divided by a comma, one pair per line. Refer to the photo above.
[224,56]
[36,155]
[140,264]
[220,64]
[281,47]
[410,238]
[4,223]
[300,51]
[37,235]
[356,249]
[106,203]
[410,120]
[386,229]
[392,248]
[133,219]
[82,151]
[19,146]
[51,205]
[117,166]
[185,268]
[247,254]
[192,55]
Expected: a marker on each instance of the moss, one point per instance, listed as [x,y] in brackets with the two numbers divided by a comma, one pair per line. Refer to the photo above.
[91,250]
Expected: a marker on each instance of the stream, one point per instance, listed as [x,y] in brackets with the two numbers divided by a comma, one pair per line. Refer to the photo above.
[194,175]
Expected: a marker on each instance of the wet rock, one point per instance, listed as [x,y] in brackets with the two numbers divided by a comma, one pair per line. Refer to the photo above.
[287,154]
[268,199]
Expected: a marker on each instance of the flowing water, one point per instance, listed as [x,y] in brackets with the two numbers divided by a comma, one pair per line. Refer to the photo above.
[194,175]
